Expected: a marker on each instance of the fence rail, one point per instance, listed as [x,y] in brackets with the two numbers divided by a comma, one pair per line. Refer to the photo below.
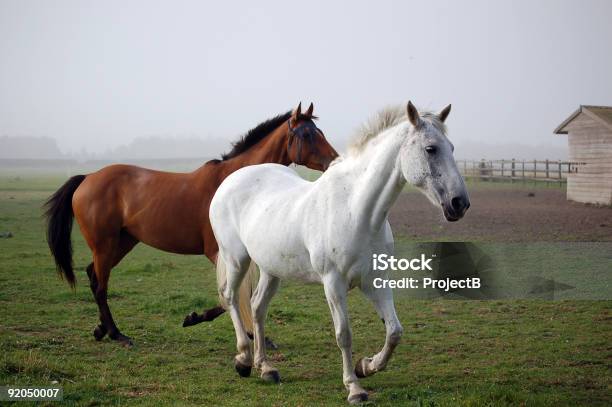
[518,170]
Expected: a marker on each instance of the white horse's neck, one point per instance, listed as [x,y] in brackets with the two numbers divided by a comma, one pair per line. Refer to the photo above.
[377,179]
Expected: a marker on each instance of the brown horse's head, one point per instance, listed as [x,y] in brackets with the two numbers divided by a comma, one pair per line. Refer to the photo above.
[306,144]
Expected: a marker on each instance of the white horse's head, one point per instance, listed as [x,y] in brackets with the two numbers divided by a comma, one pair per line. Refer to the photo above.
[427,162]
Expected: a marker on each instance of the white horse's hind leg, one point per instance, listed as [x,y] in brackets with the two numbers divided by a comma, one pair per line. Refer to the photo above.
[266,288]
[335,291]
[383,302]
[236,270]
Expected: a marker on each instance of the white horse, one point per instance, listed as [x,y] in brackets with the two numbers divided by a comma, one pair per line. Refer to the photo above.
[326,231]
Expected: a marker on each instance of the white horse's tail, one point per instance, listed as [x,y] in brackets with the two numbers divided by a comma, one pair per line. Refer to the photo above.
[244,294]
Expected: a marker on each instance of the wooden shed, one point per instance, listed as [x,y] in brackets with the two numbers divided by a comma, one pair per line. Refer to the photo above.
[589,131]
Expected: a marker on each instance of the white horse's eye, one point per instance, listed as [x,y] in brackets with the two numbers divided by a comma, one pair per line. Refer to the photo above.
[431,149]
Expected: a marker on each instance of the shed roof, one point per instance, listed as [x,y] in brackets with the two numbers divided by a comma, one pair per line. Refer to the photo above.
[601,114]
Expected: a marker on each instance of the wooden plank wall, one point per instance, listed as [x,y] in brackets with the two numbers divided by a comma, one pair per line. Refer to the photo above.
[591,143]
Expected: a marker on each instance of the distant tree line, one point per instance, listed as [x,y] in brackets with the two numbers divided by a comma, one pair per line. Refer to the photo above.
[153,147]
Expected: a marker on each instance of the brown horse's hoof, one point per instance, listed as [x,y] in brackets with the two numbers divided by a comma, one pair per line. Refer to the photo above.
[191,319]
[209,315]
[122,339]
[243,370]
[270,345]
[99,332]
[271,376]
[358,398]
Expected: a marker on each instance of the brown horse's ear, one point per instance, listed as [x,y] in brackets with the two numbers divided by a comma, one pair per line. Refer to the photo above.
[297,112]
[413,115]
[309,111]
[444,113]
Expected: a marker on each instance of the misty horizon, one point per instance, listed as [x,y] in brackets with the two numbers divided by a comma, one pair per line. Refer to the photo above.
[189,147]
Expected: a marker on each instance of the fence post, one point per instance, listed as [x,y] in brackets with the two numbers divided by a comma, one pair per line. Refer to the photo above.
[560,177]
[523,170]
[513,174]
[502,169]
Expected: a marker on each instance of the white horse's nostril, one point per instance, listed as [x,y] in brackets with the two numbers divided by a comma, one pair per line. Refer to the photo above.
[457,203]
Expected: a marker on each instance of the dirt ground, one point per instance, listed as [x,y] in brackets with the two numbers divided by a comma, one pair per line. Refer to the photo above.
[505,214]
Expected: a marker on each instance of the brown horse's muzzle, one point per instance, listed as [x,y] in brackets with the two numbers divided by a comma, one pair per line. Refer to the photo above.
[331,157]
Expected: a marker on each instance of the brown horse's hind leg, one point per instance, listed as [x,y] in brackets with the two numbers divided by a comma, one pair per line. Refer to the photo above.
[104,261]
[100,331]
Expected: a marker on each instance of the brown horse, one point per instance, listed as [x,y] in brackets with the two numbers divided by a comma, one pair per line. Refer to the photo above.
[121,205]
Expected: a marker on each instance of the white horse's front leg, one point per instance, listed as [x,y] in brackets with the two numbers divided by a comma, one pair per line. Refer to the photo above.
[383,302]
[266,288]
[335,291]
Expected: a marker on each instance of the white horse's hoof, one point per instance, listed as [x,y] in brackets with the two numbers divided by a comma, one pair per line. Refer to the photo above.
[271,376]
[361,369]
[358,398]
[242,369]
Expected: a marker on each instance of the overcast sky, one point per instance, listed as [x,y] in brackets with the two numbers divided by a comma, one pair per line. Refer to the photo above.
[97,74]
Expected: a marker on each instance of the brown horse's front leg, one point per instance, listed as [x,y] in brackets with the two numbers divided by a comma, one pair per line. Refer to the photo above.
[208,315]
[211,250]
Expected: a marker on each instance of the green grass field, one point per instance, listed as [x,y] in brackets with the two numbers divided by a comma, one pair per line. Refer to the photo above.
[454,352]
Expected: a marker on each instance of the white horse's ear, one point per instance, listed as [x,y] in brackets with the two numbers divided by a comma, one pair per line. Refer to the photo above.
[444,113]
[309,111]
[413,115]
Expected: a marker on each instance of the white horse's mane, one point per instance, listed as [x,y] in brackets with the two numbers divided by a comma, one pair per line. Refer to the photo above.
[385,119]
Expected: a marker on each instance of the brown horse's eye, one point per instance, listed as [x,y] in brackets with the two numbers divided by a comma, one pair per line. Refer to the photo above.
[431,150]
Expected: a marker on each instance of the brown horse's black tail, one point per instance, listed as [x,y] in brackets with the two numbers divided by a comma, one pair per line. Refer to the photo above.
[58,210]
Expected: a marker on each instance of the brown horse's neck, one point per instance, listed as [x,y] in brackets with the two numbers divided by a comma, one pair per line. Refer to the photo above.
[272,149]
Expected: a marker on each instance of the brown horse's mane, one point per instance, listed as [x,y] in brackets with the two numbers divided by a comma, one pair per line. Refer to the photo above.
[255,135]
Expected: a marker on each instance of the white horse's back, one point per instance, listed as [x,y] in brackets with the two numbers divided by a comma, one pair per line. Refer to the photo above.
[255,204]
[258,176]
[250,188]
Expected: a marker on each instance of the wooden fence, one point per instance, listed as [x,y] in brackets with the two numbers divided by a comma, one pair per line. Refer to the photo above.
[517,170]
